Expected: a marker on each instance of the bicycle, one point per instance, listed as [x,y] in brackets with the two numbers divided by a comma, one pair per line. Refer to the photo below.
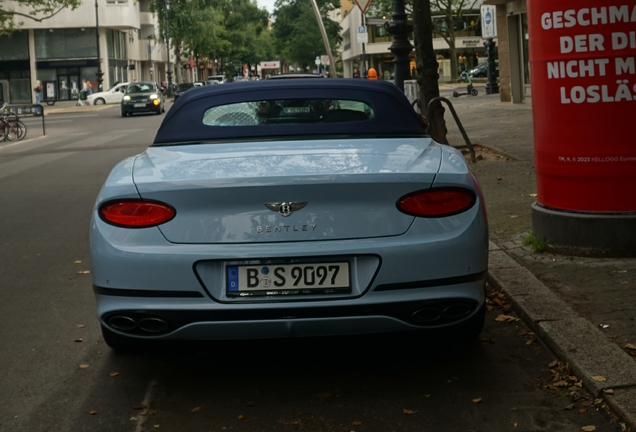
[11,128]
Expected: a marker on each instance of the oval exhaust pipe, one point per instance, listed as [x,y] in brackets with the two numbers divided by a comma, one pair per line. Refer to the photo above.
[153,325]
[122,323]
[457,311]
[426,315]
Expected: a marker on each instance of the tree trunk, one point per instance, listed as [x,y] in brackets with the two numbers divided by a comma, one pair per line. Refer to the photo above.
[427,69]
[177,63]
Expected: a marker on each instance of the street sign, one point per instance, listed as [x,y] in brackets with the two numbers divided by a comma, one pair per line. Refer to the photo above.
[317,61]
[270,65]
[363,36]
[324,60]
[363,5]
[488,21]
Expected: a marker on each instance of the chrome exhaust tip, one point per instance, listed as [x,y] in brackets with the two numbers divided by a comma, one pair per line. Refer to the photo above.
[457,311]
[153,325]
[426,315]
[122,323]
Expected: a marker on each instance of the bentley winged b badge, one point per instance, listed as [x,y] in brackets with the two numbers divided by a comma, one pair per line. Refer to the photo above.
[286,208]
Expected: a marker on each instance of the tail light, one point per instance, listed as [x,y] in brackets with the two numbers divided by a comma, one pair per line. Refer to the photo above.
[136,213]
[437,202]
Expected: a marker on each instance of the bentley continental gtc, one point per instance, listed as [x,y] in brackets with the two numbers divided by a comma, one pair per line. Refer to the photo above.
[289,208]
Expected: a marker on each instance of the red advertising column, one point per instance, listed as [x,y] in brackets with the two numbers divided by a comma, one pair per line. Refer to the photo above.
[583,69]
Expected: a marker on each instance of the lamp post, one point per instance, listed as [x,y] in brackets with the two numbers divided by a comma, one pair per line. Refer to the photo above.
[99,72]
[150,66]
[169,71]
[400,28]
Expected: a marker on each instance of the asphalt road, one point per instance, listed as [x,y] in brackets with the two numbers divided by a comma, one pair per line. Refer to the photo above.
[56,374]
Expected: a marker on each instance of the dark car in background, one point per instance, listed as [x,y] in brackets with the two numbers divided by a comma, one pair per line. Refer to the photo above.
[143,97]
[181,89]
[481,70]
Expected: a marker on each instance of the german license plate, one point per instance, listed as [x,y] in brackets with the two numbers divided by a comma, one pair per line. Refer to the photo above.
[288,279]
[139,105]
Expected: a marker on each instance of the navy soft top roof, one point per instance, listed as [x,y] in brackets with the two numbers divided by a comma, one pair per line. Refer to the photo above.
[393,114]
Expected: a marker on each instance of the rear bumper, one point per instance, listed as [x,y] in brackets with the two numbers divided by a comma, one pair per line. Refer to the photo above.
[181,319]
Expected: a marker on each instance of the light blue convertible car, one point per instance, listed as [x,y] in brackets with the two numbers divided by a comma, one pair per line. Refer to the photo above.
[289,208]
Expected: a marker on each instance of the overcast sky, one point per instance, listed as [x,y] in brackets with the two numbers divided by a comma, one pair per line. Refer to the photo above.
[267,4]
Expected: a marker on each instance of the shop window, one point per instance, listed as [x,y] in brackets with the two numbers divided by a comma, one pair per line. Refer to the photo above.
[65,43]
[15,46]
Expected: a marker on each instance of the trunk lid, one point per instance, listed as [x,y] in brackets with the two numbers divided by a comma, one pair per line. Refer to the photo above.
[286,191]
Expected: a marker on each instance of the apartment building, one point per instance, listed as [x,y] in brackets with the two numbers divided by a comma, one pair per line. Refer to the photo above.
[62,51]
[469,44]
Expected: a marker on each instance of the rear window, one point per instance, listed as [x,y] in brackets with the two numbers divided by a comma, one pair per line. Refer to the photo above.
[287,111]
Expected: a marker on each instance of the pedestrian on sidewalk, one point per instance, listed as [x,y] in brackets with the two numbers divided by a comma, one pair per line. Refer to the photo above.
[38,92]
[372,74]
[81,97]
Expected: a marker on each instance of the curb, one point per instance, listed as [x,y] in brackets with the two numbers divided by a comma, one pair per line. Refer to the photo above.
[570,337]
[77,109]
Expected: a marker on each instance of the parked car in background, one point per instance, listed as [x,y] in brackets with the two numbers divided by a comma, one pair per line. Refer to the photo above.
[481,70]
[294,75]
[181,89]
[143,97]
[219,79]
[290,208]
[111,96]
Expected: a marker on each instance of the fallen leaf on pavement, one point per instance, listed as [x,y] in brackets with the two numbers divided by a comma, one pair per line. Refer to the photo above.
[599,378]
[197,409]
[83,272]
[588,428]
[533,195]
[79,340]
[83,366]
[357,423]
[408,412]
[608,391]
[94,412]
[514,216]
[113,374]
[582,410]
[569,407]
[157,426]
[241,417]
[630,346]
[506,318]
[77,262]
[139,407]
[81,325]
[477,400]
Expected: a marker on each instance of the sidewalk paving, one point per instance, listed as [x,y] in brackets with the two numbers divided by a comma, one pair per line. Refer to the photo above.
[582,308]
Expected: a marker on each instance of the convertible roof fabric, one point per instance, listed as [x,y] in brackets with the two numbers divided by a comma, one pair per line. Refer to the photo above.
[393,114]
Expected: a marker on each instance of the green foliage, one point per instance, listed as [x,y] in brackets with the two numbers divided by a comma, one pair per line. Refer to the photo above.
[12,13]
[234,31]
[296,33]
[535,243]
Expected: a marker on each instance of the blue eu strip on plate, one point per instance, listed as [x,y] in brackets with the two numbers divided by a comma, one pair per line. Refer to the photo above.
[232,278]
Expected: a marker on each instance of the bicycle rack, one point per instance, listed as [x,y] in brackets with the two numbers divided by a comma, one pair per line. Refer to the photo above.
[468,145]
